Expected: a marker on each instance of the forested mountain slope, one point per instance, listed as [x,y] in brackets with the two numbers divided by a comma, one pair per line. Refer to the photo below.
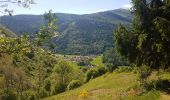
[79,34]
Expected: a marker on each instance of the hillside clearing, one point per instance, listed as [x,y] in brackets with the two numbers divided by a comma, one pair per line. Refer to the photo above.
[114,86]
[98,61]
[108,87]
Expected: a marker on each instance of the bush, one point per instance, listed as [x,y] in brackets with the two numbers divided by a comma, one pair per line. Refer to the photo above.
[43,93]
[90,74]
[111,67]
[144,71]
[84,69]
[101,70]
[47,85]
[123,69]
[29,95]
[58,88]
[8,95]
[82,63]
[74,84]
[161,85]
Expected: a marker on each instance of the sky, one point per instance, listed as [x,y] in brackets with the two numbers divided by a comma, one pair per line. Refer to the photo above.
[72,6]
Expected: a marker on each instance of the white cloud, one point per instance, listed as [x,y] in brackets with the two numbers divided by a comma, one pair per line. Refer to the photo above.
[127,6]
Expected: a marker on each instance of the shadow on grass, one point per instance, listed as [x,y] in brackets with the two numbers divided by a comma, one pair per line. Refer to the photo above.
[161,85]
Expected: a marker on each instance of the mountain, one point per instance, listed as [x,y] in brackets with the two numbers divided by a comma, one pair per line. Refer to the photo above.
[79,34]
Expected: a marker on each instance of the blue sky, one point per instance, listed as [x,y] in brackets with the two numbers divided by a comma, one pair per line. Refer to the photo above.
[72,6]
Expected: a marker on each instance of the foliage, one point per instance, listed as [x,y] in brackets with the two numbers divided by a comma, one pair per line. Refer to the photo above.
[64,70]
[121,69]
[113,57]
[84,69]
[58,88]
[148,40]
[90,74]
[24,3]
[110,67]
[63,73]
[48,31]
[84,63]
[94,72]
[29,95]
[74,84]
[25,66]
[43,93]
[101,70]
[160,85]
[144,72]
[47,85]
[9,95]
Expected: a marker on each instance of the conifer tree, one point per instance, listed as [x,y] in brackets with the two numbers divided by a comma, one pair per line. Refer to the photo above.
[147,42]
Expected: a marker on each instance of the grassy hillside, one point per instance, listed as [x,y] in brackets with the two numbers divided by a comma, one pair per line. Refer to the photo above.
[97,61]
[114,86]
[106,88]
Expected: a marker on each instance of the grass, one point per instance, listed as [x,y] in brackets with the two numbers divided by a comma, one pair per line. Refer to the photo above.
[115,86]
[106,87]
[97,61]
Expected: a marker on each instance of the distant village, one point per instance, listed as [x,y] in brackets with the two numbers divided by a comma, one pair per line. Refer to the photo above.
[80,59]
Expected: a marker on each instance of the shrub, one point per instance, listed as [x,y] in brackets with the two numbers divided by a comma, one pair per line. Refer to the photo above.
[47,85]
[161,85]
[90,74]
[43,93]
[29,95]
[144,71]
[111,67]
[123,69]
[135,70]
[74,84]
[101,70]
[8,95]
[82,63]
[58,88]
[84,69]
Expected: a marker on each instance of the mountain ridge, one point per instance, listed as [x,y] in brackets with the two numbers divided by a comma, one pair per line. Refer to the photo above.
[79,34]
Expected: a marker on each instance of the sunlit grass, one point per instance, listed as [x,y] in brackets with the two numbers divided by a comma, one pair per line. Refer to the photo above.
[116,86]
[98,62]
[106,87]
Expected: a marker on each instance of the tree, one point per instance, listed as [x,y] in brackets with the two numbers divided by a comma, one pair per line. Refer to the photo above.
[113,58]
[47,32]
[64,70]
[148,40]
[15,78]
[24,3]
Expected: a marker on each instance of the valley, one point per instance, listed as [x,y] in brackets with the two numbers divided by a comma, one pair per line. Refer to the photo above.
[94,50]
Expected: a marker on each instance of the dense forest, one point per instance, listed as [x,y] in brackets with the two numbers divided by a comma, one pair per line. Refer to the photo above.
[111,55]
